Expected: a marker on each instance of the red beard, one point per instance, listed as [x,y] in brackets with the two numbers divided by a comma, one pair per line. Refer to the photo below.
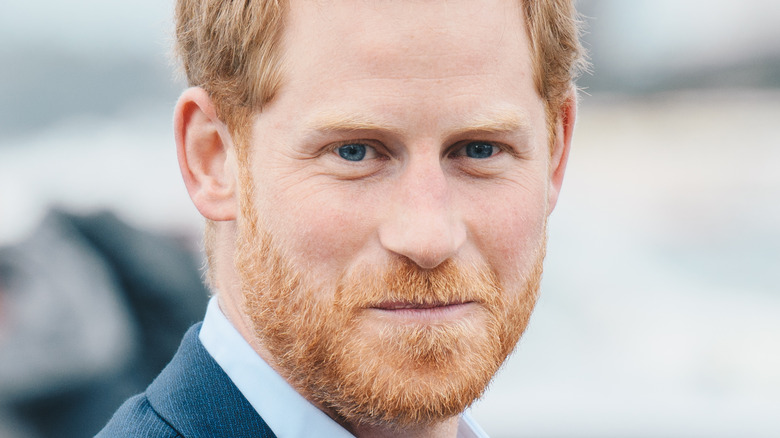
[368,371]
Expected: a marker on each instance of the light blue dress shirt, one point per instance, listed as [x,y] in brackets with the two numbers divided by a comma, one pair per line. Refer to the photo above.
[285,411]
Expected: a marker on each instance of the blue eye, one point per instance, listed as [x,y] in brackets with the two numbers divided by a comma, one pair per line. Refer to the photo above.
[479,149]
[352,152]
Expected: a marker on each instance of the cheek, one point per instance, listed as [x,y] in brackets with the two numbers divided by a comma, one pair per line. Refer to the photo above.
[510,229]
[321,230]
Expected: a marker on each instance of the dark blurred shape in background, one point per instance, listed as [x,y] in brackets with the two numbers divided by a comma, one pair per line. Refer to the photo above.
[92,310]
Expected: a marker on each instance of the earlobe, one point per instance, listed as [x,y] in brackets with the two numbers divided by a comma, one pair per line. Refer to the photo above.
[206,157]
[564,131]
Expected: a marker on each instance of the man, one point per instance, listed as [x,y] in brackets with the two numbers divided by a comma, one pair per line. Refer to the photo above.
[376,178]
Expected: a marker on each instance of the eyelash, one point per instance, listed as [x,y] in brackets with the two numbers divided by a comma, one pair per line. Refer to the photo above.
[377,150]
[463,145]
[458,150]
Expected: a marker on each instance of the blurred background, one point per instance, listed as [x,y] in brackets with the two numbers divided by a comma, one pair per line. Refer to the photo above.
[660,306]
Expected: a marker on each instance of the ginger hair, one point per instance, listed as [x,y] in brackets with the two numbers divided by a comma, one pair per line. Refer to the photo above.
[232,49]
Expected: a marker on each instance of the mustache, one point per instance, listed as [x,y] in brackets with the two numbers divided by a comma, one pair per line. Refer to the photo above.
[400,280]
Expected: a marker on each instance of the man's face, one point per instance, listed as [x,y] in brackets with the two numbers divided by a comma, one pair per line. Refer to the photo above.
[394,205]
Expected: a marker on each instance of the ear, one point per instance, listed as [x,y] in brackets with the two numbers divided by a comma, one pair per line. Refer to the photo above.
[564,129]
[206,156]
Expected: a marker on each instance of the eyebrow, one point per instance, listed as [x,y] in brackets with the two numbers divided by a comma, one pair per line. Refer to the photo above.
[338,121]
[493,122]
[496,122]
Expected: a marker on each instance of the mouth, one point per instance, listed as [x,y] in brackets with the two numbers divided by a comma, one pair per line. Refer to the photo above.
[404,305]
[423,312]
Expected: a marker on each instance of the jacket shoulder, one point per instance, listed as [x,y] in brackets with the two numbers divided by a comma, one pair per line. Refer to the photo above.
[136,418]
[192,397]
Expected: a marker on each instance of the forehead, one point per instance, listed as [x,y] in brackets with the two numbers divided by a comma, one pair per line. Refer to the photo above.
[408,27]
[367,53]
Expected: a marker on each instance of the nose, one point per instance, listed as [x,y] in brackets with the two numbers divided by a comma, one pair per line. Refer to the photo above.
[422,223]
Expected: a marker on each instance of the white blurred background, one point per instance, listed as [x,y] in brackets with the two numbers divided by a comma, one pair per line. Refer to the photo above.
[660,307]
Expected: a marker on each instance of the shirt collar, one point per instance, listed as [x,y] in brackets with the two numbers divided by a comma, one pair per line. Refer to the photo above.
[287,413]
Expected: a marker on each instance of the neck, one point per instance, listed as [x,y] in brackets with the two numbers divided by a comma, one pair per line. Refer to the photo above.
[446,429]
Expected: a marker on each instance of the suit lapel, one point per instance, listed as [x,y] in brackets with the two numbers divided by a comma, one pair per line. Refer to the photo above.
[198,399]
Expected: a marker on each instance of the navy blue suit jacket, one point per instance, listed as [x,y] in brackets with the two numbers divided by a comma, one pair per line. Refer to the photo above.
[193,398]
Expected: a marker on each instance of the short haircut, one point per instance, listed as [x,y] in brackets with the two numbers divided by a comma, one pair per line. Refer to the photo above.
[232,50]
